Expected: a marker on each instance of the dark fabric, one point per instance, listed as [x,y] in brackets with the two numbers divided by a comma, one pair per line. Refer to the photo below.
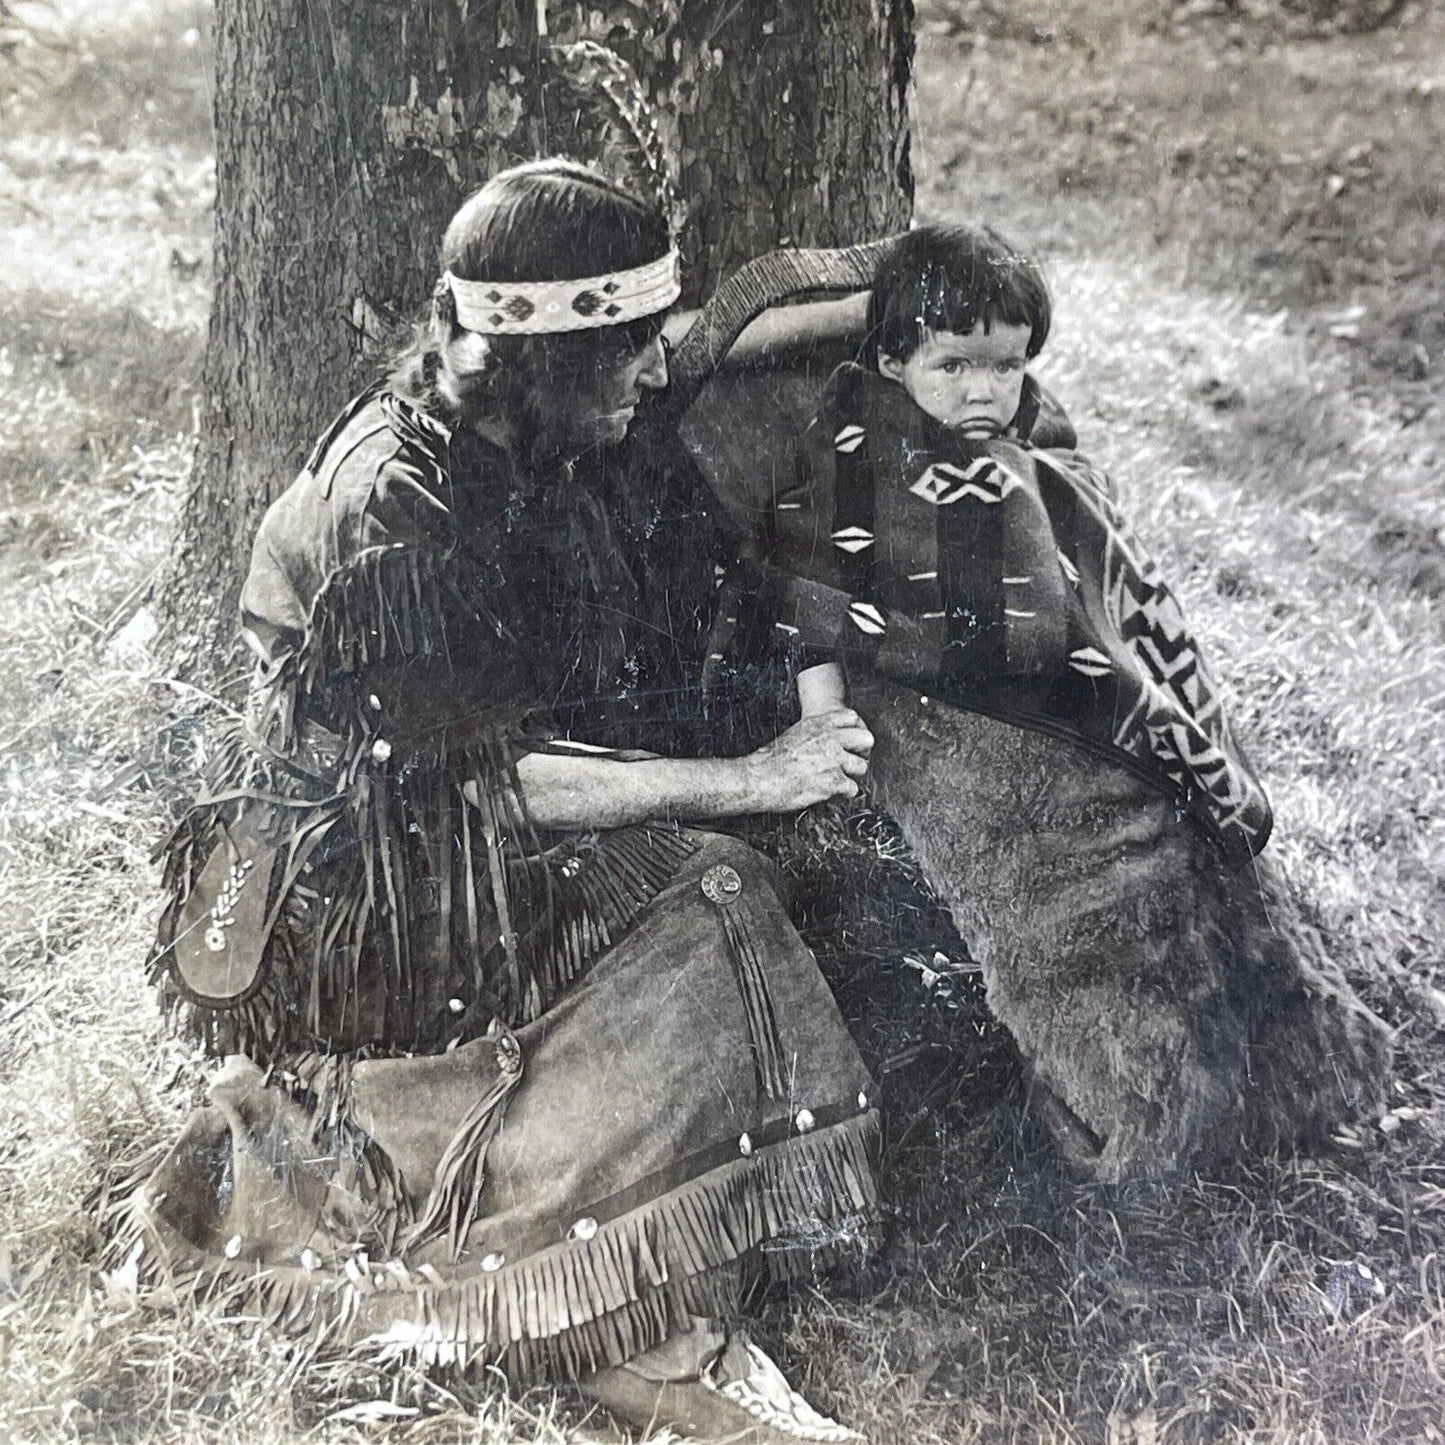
[456,1036]
[1003,578]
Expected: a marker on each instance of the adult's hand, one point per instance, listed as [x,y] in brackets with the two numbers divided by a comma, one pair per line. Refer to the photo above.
[824,755]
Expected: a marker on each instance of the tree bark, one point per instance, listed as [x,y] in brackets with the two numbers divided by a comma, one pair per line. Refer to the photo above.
[347,134]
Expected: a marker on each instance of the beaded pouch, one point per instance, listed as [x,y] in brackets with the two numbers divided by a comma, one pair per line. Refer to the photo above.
[223,926]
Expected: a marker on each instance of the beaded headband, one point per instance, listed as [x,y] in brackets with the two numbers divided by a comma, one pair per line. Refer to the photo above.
[529,308]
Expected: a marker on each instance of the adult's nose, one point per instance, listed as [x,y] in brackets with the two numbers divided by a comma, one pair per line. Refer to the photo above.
[653,372]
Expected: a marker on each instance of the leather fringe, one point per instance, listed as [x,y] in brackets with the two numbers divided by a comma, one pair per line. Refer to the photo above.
[372,849]
[321,1084]
[580,1305]
[752,981]
[603,883]
[461,1175]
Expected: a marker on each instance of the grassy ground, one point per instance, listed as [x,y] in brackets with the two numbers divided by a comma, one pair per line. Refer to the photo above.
[1243,227]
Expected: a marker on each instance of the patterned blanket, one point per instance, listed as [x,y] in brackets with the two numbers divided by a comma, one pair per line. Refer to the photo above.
[1003,578]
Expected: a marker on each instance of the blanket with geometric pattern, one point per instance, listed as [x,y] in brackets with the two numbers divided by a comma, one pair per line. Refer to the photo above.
[1004,579]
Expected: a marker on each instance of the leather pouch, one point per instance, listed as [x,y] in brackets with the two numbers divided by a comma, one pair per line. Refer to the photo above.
[224,924]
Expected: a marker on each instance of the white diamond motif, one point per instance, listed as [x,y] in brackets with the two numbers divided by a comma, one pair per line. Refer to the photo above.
[867,618]
[1091,662]
[942,483]
[853,539]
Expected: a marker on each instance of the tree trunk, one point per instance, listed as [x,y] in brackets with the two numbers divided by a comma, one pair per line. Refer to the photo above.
[347,134]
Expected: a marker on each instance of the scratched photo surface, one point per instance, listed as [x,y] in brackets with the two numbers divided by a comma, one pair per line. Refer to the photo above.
[724,716]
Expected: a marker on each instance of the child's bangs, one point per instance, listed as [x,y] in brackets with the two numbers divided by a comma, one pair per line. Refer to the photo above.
[979,297]
[957,279]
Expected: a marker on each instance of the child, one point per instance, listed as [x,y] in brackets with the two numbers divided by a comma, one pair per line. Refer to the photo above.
[1048,736]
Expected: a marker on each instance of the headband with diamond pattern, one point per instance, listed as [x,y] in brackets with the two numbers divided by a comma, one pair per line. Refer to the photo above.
[529,308]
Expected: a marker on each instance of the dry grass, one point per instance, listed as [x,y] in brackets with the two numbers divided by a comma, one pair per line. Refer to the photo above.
[1237,338]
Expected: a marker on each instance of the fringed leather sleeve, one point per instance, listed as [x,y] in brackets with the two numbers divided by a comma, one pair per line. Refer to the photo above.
[399,894]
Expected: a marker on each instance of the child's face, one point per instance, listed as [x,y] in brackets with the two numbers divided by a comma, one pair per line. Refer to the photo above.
[971,381]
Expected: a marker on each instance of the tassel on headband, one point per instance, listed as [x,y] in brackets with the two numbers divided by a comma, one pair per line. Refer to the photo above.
[531,308]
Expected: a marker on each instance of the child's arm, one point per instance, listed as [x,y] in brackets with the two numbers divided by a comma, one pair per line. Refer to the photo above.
[821,689]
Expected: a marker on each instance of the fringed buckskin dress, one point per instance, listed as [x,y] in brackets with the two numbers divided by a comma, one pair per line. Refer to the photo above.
[493,1095]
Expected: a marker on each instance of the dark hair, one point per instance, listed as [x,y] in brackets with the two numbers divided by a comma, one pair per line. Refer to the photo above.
[551,220]
[548,220]
[954,278]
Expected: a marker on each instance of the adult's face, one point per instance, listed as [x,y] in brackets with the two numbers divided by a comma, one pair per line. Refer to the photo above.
[606,394]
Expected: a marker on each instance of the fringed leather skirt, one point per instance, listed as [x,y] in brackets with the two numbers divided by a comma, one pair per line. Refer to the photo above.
[553,1199]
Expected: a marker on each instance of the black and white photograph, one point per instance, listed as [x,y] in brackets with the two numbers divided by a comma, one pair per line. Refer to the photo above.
[723,720]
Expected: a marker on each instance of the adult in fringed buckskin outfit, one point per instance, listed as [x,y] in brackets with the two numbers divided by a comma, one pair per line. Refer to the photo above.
[522,1068]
